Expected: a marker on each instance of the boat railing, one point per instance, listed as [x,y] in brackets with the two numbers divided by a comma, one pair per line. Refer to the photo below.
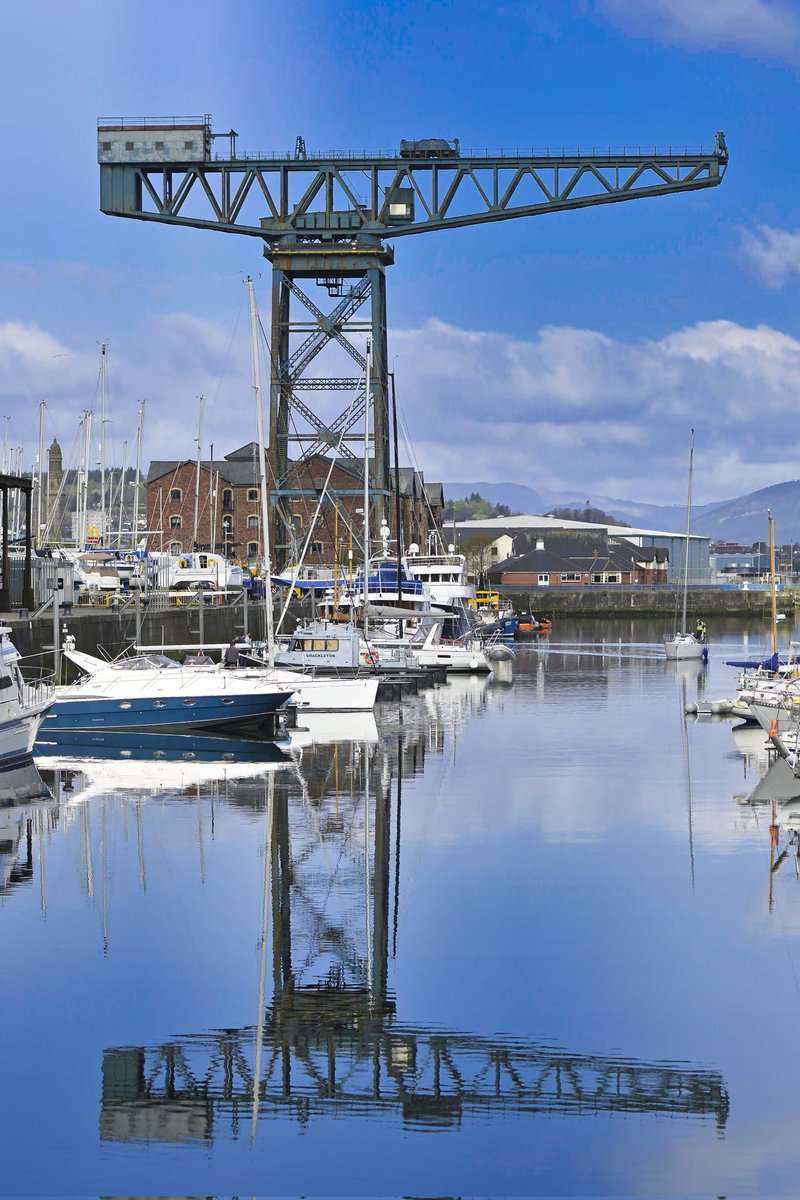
[36,685]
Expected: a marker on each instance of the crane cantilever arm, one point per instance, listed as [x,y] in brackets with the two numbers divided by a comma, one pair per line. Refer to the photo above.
[344,198]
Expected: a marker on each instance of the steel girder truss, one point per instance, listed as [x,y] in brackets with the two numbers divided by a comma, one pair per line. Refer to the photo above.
[330,329]
[343,196]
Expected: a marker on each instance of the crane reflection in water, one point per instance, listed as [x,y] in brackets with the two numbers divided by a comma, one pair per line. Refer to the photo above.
[326,1037]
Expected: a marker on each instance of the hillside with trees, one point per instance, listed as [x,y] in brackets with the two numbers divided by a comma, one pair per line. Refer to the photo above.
[475,508]
[594,515]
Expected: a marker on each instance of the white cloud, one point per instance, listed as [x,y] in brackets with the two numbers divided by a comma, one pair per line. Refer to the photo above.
[564,409]
[574,408]
[774,253]
[759,28]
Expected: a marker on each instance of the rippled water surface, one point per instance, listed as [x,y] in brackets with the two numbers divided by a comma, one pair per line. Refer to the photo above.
[531,934]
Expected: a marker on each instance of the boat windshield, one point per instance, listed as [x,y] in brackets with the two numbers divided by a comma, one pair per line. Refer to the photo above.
[147,662]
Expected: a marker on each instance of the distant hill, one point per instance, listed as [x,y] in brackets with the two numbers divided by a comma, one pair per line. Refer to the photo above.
[741,520]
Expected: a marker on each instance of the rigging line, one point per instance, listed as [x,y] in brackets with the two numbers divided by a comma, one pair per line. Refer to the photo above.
[221,374]
[412,455]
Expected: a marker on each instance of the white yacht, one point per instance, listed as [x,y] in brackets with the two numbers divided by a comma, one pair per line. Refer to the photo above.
[24,700]
[444,577]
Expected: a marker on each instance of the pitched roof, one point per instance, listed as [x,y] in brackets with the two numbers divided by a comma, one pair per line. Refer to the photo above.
[543,561]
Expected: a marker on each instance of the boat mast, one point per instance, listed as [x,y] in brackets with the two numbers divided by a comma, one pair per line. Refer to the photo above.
[135,522]
[40,477]
[88,465]
[397,509]
[197,475]
[122,492]
[688,526]
[773,600]
[103,444]
[262,471]
[211,497]
[366,481]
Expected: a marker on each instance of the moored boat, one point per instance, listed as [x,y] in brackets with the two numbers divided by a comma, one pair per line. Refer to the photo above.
[155,692]
[25,698]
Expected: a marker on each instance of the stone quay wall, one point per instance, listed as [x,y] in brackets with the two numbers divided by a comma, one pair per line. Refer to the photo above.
[650,600]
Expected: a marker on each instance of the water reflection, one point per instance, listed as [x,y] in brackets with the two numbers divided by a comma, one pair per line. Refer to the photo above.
[24,803]
[79,767]
[336,1053]
[329,1040]
[276,920]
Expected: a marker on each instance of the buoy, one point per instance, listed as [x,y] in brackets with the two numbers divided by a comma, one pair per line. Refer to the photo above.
[691,709]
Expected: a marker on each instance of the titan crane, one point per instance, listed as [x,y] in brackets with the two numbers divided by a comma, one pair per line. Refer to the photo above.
[328,220]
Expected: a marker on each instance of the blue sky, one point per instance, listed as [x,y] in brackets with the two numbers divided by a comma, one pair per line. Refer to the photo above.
[570,352]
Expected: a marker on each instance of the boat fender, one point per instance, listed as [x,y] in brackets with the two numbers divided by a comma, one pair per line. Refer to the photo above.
[473,663]
[773,729]
[371,657]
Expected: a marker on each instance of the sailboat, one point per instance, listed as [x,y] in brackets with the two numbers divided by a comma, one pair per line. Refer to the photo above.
[684,645]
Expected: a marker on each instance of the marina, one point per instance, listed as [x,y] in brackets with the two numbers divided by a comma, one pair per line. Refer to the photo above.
[399,738]
[379,937]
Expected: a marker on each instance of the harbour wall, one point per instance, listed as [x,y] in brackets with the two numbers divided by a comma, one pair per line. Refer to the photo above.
[114,631]
[645,600]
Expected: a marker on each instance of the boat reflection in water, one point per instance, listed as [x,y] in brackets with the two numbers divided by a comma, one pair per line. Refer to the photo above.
[24,799]
[326,1039]
[79,766]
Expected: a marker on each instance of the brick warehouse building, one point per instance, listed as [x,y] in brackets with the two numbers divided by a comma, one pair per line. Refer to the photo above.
[229,507]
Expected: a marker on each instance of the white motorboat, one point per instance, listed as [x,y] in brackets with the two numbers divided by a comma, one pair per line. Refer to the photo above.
[155,692]
[251,682]
[339,648]
[25,697]
[444,576]
[465,654]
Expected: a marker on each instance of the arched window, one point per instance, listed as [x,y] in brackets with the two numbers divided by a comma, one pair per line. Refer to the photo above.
[175,548]
[227,500]
[252,549]
[252,522]
[176,495]
[175,522]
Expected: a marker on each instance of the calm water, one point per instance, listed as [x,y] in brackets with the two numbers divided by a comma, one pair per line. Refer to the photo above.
[517,935]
